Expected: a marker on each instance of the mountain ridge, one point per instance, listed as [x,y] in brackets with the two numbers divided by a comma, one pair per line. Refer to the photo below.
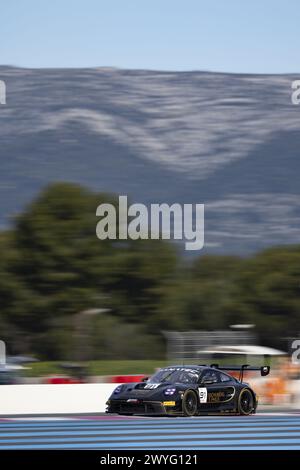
[229,141]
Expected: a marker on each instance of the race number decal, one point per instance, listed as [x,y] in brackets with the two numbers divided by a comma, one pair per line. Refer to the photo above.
[202,394]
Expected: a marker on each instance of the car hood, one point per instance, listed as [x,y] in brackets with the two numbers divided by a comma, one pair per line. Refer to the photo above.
[141,390]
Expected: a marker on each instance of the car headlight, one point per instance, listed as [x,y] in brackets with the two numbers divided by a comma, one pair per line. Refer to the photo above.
[170,391]
[118,389]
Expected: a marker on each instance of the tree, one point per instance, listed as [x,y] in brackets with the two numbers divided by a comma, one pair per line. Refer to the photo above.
[269,289]
[64,268]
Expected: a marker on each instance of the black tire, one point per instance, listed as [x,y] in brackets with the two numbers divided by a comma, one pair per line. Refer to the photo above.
[190,403]
[246,403]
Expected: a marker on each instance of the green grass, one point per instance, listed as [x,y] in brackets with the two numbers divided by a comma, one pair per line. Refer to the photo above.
[98,367]
[108,367]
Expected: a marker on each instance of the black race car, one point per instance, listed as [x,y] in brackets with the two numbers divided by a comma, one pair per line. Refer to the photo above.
[187,391]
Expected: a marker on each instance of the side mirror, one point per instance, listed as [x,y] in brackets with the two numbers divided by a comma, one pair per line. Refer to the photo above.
[144,379]
[265,370]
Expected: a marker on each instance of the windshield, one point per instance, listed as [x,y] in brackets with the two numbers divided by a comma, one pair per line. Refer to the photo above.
[175,375]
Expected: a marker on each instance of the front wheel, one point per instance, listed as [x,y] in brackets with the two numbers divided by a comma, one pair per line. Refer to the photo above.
[245,402]
[189,403]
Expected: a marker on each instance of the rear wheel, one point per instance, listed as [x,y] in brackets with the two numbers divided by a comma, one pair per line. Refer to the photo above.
[189,403]
[245,402]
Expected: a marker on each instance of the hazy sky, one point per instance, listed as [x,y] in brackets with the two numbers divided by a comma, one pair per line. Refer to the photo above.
[260,36]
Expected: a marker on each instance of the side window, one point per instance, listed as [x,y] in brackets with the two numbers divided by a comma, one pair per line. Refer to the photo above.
[225,377]
[210,377]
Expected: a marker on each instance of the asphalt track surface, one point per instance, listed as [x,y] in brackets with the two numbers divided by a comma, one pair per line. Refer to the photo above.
[261,431]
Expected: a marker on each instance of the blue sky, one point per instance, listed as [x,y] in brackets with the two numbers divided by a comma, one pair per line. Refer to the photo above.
[258,36]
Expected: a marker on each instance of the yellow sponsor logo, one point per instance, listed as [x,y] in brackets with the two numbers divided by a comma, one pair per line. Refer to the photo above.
[169,403]
[216,397]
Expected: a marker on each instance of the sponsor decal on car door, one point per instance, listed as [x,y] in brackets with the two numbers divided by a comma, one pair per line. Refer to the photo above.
[220,394]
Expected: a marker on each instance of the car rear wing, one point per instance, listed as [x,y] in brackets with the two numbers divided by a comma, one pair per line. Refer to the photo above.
[264,370]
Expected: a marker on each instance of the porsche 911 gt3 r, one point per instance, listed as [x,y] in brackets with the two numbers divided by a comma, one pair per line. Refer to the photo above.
[188,391]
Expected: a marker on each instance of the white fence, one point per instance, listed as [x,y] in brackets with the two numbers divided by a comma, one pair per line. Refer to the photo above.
[44,399]
[84,398]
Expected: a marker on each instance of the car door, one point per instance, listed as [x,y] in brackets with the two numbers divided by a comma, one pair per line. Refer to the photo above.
[215,389]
